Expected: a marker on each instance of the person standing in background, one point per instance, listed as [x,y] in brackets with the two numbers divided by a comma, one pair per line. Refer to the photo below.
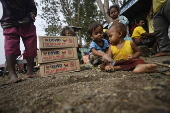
[18,21]
[113,13]
[150,22]
[161,9]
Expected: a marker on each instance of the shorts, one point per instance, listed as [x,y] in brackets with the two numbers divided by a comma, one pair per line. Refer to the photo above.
[147,42]
[126,65]
[12,40]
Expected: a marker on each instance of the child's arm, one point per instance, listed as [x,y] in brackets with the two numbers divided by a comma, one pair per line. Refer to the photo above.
[108,56]
[136,50]
[148,34]
[109,52]
[97,53]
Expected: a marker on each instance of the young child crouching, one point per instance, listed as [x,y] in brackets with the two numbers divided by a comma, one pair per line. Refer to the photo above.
[98,46]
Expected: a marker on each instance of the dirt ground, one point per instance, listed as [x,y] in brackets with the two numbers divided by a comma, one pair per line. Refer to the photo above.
[90,91]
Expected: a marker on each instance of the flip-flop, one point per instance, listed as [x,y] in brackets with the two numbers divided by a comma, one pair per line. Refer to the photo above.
[157,55]
[166,62]
[160,54]
[152,52]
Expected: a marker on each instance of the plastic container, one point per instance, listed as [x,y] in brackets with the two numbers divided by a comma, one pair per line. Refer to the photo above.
[111,61]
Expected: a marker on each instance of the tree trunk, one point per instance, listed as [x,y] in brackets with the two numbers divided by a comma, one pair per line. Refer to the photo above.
[116,2]
[103,8]
[78,22]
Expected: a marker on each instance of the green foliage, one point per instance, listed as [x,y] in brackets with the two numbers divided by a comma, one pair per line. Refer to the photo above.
[50,15]
[79,13]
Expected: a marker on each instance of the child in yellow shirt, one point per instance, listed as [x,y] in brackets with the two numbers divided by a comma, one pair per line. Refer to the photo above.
[125,53]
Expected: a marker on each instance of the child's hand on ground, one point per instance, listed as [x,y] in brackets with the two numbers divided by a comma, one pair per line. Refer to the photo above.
[107,68]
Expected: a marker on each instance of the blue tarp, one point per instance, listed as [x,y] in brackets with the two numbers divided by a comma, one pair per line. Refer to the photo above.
[127,6]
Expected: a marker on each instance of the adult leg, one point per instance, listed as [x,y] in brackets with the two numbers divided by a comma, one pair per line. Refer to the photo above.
[11,61]
[161,23]
[11,46]
[30,67]
[30,42]
[166,10]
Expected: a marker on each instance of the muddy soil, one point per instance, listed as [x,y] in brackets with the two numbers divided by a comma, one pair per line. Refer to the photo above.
[90,91]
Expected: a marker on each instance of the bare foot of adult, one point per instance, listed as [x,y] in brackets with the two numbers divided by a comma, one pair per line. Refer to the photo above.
[13,79]
[145,68]
[32,75]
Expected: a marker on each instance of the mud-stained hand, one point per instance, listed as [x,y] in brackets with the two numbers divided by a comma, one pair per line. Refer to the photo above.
[107,68]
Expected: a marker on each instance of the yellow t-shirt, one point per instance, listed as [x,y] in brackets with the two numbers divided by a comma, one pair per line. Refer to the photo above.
[137,32]
[122,54]
[157,4]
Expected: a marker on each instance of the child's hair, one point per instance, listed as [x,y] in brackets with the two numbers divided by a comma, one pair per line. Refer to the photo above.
[139,19]
[113,6]
[92,27]
[120,28]
[65,28]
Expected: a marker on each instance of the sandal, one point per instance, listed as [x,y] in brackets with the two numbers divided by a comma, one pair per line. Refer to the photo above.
[166,62]
[162,54]
[152,52]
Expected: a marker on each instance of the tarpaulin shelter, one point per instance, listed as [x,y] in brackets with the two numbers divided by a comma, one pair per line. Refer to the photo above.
[134,9]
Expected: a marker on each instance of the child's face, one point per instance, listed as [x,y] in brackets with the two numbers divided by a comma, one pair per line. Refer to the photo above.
[114,13]
[97,34]
[68,33]
[141,23]
[113,35]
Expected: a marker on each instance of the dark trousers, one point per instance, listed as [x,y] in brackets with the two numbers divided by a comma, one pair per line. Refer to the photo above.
[161,23]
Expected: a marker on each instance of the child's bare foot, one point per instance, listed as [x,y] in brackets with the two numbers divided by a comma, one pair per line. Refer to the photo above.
[13,79]
[32,75]
[145,68]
